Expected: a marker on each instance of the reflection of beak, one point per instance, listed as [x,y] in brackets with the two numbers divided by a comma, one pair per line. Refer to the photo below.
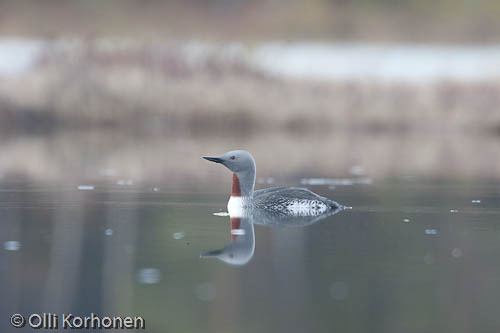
[214,159]
[211,254]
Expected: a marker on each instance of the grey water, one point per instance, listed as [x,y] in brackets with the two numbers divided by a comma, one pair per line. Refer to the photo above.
[412,255]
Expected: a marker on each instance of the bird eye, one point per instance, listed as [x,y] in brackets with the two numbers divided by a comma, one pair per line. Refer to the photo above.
[233,157]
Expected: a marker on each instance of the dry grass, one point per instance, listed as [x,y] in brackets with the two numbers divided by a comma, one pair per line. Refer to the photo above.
[402,20]
[156,88]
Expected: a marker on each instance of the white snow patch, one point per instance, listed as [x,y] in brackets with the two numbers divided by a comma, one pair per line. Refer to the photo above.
[18,55]
[378,61]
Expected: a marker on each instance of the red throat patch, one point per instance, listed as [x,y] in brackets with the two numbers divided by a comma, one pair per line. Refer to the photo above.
[236,189]
[235,224]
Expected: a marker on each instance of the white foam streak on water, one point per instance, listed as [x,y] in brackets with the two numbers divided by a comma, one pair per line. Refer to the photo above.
[221,214]
[336,181]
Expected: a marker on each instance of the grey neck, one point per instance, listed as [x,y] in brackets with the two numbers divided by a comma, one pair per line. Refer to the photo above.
[247,181]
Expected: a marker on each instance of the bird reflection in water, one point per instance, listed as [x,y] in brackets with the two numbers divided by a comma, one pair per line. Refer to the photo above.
[275,206]
[239,251]
[242,246]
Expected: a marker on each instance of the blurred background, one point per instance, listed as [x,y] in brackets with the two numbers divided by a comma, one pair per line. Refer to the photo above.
[389,106]
[397,86]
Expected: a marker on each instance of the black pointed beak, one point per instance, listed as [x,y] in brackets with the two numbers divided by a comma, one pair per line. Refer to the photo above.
[210,254]
[213,159]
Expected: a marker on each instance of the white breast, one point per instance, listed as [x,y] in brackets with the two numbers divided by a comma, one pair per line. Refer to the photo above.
[235,206]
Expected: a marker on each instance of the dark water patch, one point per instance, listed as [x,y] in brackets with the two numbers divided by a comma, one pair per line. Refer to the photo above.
[130,250]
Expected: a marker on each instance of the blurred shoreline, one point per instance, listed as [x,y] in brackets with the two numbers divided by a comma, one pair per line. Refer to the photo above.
[153,88]
[148,111]
[175,161]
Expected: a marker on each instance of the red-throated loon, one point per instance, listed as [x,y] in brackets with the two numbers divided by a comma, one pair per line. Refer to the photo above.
[290,201]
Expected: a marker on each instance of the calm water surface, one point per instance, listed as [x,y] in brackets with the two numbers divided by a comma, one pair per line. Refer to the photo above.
[413,255]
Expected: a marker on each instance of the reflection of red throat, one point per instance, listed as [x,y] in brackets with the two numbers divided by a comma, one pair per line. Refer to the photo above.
[236,189]
[235,224]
